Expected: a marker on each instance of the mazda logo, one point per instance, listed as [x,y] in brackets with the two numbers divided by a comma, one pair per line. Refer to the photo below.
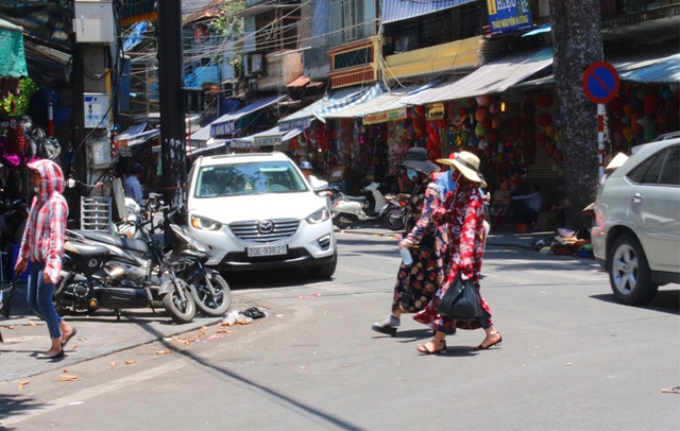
[265,227]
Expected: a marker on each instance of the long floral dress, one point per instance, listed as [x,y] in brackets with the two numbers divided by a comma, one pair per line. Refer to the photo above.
[417,283]
[464,218]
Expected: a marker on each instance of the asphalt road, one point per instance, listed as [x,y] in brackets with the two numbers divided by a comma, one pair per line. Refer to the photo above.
[572,359]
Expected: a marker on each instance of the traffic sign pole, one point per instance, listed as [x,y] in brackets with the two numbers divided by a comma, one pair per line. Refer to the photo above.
[600,138]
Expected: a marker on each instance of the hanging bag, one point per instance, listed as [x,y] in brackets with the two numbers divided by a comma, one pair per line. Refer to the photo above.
[461,301]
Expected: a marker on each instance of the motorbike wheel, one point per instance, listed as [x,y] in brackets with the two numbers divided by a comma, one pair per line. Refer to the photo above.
[180,311]
[343,221]
[209,305]
[395,219]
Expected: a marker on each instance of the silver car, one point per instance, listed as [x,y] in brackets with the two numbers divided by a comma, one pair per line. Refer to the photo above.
[637,234]
[256,211]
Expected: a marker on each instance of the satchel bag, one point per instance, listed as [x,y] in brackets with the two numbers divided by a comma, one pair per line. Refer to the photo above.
[461,301]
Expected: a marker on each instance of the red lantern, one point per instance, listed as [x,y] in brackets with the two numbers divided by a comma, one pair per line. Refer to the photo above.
[542,138]
[544,101]
[462,112]
[616,105]
[652,101]
[544,120]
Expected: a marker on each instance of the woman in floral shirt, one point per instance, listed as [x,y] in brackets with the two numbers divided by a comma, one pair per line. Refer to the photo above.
[418,281]
[463,214]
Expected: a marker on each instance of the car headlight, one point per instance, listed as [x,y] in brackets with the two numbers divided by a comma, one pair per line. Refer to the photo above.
[204,223]
[319,216]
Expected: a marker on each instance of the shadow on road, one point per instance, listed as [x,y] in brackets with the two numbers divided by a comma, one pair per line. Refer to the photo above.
[15,404]
[666,301]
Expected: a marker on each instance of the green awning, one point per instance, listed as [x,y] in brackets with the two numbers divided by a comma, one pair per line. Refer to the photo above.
[12,56]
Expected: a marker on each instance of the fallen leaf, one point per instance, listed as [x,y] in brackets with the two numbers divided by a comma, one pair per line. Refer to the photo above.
[243,322]
[31,323]
[113,364]
[22,384]
[224,331]
[65,370]
[67,378]
[130,362]
[673,390]
[164,352]
[215,337]
[226,324]
[203,329]
[10,327]
[74,347]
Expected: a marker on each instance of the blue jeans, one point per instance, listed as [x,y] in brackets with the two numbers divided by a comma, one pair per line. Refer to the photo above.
[39,298]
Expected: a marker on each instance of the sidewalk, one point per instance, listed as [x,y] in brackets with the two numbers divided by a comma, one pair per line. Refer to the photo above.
[102,334]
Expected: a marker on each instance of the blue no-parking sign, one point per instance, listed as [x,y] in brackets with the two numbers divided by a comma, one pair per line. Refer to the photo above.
[601,82]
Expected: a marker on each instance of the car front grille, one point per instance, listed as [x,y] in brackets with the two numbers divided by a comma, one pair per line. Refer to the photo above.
[265,231]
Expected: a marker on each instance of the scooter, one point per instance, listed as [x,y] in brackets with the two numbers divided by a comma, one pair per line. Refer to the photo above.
[348,210]
[101,270]
[396,215]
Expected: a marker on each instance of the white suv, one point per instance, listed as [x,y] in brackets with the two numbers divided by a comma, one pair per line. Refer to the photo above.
[257,211]
[637,235]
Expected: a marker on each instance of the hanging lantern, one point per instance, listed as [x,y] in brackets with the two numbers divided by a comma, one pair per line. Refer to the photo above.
[544,100]
[544,120]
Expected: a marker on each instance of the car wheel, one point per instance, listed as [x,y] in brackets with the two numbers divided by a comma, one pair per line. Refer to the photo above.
[326,270]
[629,273]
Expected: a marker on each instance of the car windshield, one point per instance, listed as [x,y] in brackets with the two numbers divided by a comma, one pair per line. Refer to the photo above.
[248,179]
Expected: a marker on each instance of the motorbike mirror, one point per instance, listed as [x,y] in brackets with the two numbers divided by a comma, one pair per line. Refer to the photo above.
[321,186]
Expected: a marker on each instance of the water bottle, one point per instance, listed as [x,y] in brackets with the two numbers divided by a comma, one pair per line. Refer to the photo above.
[406,258]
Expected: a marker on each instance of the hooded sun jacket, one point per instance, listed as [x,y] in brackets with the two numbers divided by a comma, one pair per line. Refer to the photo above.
[43,239]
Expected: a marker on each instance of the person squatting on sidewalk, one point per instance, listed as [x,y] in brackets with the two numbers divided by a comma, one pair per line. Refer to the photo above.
[43,245]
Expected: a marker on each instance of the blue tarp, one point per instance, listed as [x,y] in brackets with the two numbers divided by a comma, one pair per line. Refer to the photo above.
[397,10]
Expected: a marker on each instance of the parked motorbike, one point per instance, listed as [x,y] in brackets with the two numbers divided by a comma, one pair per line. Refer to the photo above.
[348,210]
[396,215]
[101,270]
[129,226]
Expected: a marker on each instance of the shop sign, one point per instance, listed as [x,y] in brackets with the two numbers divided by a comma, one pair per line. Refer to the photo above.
[226,128]
[96,110]
[299,123]
[508,16]
[267,140]
[381,117]
[434,111]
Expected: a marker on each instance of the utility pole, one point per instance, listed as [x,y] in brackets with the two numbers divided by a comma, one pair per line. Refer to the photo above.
[170,77]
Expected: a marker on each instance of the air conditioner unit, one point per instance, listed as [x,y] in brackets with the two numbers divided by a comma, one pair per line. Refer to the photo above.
[254,63]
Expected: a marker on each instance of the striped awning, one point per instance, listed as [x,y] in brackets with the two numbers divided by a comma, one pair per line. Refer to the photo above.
[494,77]
[397,10]
[226,124]
[330,106]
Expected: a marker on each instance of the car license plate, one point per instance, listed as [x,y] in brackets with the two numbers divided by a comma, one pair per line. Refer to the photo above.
[267,250]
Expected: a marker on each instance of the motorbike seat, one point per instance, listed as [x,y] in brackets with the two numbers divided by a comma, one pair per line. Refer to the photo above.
[361,199]
[118,241]
[85,250]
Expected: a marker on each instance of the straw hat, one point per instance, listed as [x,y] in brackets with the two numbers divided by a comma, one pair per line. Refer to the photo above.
[416,158]
[617,161]
[467,164]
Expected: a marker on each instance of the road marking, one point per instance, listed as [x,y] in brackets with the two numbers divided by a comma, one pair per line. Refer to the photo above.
[104,388]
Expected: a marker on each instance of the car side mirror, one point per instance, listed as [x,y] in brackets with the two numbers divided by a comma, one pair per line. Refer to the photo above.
[320,186]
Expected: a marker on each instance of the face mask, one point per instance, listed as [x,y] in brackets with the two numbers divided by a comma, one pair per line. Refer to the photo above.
[36,189]
[412,174]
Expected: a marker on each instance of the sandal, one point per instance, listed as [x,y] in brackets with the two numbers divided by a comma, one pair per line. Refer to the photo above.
[481,346]
[422,348]
[389,326]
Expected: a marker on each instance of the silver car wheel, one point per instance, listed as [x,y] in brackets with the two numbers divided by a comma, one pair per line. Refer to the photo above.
[625,269]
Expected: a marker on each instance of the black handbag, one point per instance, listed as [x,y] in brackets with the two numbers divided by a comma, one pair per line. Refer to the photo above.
[461,301]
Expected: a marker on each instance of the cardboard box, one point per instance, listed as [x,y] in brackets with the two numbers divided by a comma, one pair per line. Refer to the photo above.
[337,174]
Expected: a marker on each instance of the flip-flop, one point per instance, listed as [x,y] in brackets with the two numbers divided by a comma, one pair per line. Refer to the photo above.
[73,332]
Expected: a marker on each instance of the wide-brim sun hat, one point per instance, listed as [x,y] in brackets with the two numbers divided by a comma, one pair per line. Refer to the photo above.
[617,161]
[416,158]
[467,164]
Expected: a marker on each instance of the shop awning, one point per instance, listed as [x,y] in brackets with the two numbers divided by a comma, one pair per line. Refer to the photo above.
[494,77]
[665,71]
[330,107]
[397,10]
[384,102]
[12,54]
[267,137]
[226,124]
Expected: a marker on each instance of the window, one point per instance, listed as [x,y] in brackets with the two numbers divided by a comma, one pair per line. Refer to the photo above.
[346,13]
[647,171]
[670,174]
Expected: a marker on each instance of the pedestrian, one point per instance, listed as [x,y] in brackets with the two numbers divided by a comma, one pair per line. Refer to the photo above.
[463,215]
[417,282]
[132,187]
[445,182]
[525,208]
[307,171]
[43,245]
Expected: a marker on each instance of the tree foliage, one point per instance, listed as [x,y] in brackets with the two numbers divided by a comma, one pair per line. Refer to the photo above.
[230,27]
[577,43]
